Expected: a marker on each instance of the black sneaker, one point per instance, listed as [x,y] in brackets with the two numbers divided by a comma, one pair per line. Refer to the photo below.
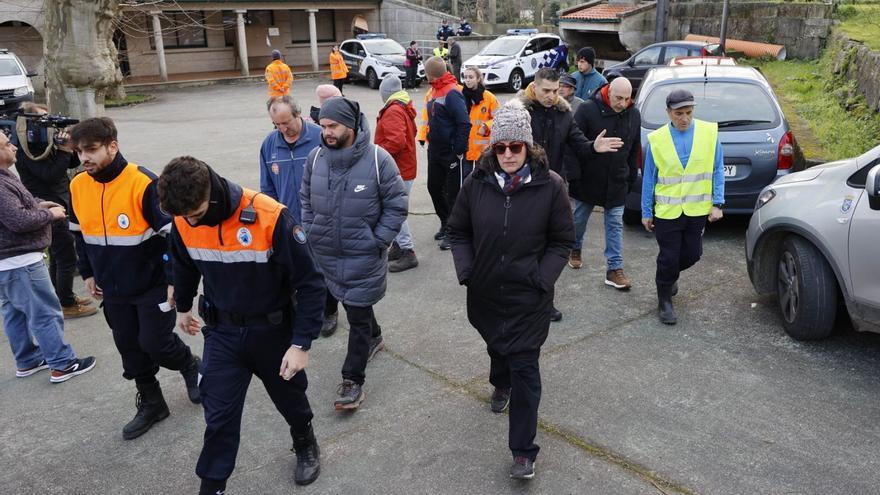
[330,324]
[441,234]
[522,468]
[191,378]
[445,245]
[212,487]
[406,261]
[394,251]
[500,399]
[23,372]
[78,367]
[350,395]
[555,314]
[308,457]
[376,345]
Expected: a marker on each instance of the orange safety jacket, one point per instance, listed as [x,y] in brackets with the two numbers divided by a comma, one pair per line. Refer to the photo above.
[279,78]
[480,114]
[119,230]
[249,269]
[338,69]
[422,135]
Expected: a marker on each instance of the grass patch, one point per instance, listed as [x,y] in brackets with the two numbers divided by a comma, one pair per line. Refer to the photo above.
[132,99]
[861,22]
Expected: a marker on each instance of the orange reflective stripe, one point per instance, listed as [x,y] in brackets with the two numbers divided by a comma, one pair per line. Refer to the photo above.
[237,242]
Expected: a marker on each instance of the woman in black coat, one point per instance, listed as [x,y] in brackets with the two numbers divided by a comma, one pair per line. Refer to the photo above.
[511,231]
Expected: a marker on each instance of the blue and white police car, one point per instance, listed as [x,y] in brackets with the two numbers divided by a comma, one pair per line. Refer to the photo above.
[514,59]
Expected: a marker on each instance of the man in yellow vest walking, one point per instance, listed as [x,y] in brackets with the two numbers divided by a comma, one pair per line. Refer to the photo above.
[682,188]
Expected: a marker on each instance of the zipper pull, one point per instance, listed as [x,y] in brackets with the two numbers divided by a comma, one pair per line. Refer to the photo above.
[507,203]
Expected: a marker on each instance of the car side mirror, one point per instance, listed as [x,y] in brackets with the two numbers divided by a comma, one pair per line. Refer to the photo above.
[528,52]
[33,73]
[872,187]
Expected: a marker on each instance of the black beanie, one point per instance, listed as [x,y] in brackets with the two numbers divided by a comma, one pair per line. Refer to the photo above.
[341,110]
[588,54]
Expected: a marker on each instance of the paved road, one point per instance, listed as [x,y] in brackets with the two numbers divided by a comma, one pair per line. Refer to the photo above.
[723,403]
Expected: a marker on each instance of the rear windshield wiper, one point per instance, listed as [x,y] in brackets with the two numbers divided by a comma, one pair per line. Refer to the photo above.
[737,123]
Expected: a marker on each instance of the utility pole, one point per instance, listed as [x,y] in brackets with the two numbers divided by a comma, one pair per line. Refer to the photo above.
[662,12]
[724,14]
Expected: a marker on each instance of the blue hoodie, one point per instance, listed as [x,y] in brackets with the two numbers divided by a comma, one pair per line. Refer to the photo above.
[281,169]
[588,83]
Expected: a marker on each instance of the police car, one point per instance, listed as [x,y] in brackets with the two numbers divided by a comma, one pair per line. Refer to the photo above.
[514,59]
[373,56]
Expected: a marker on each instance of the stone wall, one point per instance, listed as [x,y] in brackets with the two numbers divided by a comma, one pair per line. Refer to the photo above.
[801,27]
[404,21]
[855,61]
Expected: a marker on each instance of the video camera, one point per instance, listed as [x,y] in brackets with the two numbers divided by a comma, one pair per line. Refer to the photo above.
[45,120]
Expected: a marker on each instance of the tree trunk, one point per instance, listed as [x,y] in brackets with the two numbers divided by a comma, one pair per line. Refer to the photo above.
[81,63]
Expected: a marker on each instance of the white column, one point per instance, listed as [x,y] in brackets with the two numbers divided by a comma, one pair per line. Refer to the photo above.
[313,38]
[242,43]
[160,46]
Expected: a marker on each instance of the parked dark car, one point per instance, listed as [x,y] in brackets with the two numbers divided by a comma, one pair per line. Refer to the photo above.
[657,55]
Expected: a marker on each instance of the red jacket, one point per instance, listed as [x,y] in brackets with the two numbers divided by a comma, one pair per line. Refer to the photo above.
[396,133]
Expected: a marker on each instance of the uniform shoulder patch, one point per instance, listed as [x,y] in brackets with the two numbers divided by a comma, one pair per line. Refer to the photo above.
[299,235]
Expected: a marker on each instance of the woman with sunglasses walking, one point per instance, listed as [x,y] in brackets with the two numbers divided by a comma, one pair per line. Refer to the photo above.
[511,230]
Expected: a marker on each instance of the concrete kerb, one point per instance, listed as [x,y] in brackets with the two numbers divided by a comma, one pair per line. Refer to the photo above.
[192,83]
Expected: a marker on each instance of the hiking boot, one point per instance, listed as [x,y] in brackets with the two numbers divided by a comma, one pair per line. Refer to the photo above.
[405,261]
[445,245]
[308,457]
[350,395]
[394,251]
[78,367]
[151,408]
[191,378]
[376,345]
[330,324]
[616,279]
[522,468]
[82,307]
[441,234]
[23,372]
[574,259]
[664,305]
[555,314]
[500,399]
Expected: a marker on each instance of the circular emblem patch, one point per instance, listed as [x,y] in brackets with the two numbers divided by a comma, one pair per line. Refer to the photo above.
[534,63]
[299,234]
[276,169]
[123,221]
[244,236]
[483,109]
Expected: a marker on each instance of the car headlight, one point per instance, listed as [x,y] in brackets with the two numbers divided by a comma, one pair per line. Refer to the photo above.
[764,198]
[22,91]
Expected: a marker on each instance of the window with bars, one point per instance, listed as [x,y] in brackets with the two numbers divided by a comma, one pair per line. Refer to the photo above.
[180,30]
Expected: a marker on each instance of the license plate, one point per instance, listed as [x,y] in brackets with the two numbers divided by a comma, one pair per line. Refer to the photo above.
[730,170]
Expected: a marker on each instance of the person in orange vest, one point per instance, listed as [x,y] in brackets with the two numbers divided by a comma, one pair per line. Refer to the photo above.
[121,243]
[481,105]
[338,69]
[251,256]
[278,76]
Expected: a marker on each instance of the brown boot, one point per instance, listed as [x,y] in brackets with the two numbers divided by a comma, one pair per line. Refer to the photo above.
[83,307]
[616,279]
[574,259]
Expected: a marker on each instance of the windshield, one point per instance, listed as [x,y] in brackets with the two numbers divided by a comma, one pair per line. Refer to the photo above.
[8,67]
[731,104]
[385,47]
[503,46]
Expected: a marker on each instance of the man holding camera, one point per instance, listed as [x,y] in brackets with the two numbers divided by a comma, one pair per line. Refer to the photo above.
[43,169]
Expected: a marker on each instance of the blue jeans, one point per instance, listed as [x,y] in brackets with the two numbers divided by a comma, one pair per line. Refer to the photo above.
[613,231]
[404,237]
[31,311]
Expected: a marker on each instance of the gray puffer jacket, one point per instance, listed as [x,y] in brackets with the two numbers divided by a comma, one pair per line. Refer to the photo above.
[353,205]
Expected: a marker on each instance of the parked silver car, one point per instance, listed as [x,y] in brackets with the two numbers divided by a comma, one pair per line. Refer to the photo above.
[813,241]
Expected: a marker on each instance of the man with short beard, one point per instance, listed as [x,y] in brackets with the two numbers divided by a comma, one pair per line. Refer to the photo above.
[353,205]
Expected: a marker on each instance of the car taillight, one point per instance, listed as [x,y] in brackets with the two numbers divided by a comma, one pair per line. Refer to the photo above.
[785,156]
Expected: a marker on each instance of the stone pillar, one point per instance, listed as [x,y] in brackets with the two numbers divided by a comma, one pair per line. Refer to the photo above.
[242,43]
[313,38]
[455,7]
[492,14]
[160,46]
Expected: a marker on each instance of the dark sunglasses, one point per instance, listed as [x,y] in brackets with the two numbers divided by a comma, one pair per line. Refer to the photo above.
[515,147]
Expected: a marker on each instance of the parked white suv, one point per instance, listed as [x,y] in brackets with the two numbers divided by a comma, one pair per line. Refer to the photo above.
[512,60]
[373,56]
[813,242]
[15,83]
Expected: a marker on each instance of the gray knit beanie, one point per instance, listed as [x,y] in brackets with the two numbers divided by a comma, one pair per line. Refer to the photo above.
[341,110]
[511,123]
[390,85]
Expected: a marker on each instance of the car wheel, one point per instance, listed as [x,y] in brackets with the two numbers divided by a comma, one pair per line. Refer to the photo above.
[372,79]
[515,83]
[806,289]
[632,217]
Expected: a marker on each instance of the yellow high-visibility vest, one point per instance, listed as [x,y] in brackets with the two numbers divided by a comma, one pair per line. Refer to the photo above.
[684,189]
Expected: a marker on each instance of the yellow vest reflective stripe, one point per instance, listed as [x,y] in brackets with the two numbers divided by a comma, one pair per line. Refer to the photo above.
[684,189]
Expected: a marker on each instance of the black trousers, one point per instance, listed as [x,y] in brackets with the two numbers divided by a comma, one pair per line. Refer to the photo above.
[331,305]
[520,373]
[62,262]
[681,245]
[362,328]
[412,74]
[338,83]
[456,178]
[231,357]
[145,337]
[445,176]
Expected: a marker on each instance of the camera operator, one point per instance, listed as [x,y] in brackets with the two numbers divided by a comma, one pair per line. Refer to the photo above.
[47,179]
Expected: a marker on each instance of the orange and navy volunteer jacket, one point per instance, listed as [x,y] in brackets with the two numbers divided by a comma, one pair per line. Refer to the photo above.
[120,230]
[481,113]
[248,269]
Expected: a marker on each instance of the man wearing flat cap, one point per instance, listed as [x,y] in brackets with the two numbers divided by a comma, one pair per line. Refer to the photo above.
[353,206]
[682,188]
[567,87]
